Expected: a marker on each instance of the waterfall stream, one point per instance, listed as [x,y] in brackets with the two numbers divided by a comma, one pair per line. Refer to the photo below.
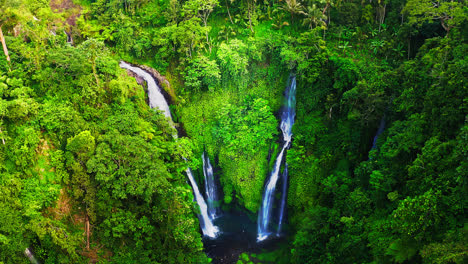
[284,194]
[210,187]
[157,100]
[207,226]
[30,256]
[287,120]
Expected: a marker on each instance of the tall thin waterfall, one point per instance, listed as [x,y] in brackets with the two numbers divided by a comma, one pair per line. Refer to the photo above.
[157,100]
[287,120]
[210,187]
[284,193]
[207,226]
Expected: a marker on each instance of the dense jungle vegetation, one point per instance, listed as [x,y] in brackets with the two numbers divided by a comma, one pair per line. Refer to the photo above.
[90,174]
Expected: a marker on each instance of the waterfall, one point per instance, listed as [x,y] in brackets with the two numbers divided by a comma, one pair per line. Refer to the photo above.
[30,256]
[379,131]
[287,120]
[210,187]
[157,100]
[284,193]
[264,215]
[206,223]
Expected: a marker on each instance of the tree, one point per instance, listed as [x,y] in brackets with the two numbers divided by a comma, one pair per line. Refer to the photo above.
[202,73]
[92,50]
[80,148]
[184,37]
[314,17]
[202,9]
[12,232]
[292,7]
[129,166]
[9,13]
[246,128]
[449,13]
[233,57]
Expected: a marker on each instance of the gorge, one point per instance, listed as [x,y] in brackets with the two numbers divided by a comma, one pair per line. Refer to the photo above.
[209,203]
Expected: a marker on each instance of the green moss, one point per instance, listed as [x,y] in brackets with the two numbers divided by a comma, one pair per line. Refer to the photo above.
[244,177]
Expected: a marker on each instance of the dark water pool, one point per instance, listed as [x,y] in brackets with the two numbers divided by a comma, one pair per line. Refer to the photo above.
[238,235]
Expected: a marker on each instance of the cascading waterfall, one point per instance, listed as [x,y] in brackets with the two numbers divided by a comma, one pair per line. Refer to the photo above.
[284,193]
[210,187]
[287,121]
[157,100]
[207,226]
[264,215]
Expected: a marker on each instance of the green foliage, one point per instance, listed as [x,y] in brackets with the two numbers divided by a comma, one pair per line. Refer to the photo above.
[11,232]
[245,133]
[415,215]
[451,250]
[233,57]
[245,129]
[82,145]
[64,137]
[449,13]
[202,74]
[399,204]
[126,173]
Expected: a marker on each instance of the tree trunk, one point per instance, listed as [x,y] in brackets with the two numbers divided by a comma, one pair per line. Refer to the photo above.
[444,25]
[251,8]
[206,33]
[5,49]
[93,65]
[229,13]
[3,139]
[87,231]
[382,11]
[325,9]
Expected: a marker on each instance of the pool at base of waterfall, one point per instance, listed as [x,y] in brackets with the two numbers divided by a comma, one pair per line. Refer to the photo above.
[238,234]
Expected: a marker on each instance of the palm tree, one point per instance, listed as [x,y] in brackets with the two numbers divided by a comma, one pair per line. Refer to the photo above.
[293,7]
[314,17]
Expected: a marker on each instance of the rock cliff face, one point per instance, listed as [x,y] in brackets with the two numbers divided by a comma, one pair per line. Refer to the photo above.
[162,81]
[139,80]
